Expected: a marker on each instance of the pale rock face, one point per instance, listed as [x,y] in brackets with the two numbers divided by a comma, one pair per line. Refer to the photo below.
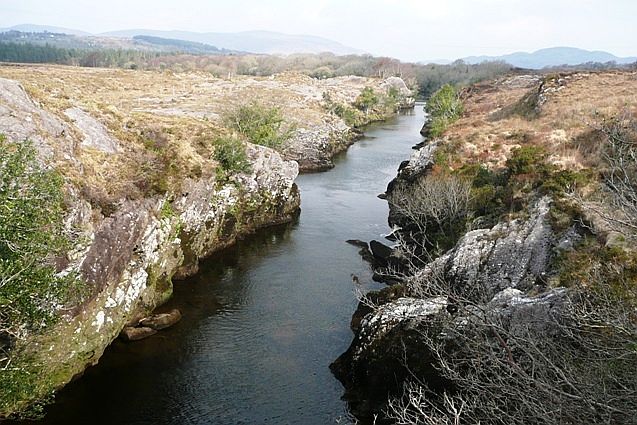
[95,133]
[21,119]
[513,254]
[314,148]
[386,317]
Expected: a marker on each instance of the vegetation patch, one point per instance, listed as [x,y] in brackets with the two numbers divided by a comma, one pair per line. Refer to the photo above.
[369,106]
[230,153]
[260,124]
[444,108]
[31,239]
[31,236]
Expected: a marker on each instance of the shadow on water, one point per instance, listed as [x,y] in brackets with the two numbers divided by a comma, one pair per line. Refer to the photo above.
[262,320]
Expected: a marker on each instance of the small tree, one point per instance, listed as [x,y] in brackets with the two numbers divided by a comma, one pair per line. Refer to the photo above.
[366,100]
[260,124]
[230,153]
[620,176]
[444,107]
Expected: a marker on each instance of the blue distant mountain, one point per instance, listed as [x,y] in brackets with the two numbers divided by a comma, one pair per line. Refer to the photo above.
[554,56]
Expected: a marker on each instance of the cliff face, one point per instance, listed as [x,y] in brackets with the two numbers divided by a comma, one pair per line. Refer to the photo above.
[145,198]
[128,257]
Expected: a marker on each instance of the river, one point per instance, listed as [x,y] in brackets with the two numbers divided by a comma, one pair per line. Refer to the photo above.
[262,320]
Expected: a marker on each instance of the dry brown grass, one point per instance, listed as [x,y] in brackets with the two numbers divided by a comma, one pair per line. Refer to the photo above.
[563,126]
[165,122]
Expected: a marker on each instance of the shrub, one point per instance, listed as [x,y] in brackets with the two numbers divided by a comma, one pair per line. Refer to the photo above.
[231,155]
[31,235]
[260,124]
[444,108]
[366,100]
[434,209]
[620,175]
[322,72]
[526,160]
[351,116]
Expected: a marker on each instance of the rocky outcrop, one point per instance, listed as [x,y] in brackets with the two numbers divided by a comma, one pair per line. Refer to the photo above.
[405,96]
[132,256]
[420,161]
[394,342]
[496,269]
[314,148]
[514,254]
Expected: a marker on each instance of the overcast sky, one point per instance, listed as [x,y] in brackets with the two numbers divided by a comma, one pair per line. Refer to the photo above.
[407,29]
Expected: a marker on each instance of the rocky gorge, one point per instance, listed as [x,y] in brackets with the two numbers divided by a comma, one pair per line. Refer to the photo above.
[143,202]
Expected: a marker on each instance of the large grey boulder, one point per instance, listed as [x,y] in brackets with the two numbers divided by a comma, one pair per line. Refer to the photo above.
[95,134]
[513,254]
[395,341]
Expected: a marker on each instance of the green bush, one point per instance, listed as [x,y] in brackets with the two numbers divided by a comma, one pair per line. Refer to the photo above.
[260,124]
[351,116]
[31,235]
[527,160]
[444,108]
[230,153]
[366,100]
[322,73]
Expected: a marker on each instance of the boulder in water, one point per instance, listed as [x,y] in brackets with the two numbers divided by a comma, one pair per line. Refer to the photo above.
[162,320]
[130,333]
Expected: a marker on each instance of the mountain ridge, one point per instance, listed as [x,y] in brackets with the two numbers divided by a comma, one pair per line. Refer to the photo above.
[553,56]
[267,42]
[256,41]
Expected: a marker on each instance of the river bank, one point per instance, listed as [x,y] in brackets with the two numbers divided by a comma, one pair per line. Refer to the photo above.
[509,255]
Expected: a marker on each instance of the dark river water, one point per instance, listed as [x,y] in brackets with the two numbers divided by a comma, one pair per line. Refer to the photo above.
[263,320]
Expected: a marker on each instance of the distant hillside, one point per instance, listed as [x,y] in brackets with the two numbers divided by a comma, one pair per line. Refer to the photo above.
[44,28]
[171,44]
[554,56]
[250,41]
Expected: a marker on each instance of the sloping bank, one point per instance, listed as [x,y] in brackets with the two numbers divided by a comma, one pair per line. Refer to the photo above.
[514,278]
[126,248]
